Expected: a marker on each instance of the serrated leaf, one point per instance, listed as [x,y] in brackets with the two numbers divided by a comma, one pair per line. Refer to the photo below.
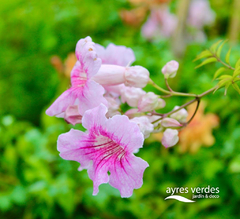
[203,54]
[218,72]
[219,50]
[213,48]
[227,58]
[209,60]
[235,86]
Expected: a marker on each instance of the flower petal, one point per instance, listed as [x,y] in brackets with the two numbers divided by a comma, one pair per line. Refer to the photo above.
[116,55]
[66,99]
[95,118]
[91,96]
[70,146]
[125,132]
[127,174]
[87,56]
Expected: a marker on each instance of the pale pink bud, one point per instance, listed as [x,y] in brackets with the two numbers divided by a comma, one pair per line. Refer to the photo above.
[149,102]
[132,113]
[170,138]
[181,115]
[72,115]
[136,76]
[157,125]
[113,106]
[110,75]
[170,69]
[131,95]
[169,122]
[114,90]
[144,124]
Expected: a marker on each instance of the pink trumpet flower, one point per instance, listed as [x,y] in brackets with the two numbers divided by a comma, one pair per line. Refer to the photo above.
[115,55]
[84,92]
[106,146]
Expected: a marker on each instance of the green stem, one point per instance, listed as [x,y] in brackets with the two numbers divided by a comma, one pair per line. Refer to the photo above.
[172,93]
[198,103]
[223,63]
[197,98]
[169,88]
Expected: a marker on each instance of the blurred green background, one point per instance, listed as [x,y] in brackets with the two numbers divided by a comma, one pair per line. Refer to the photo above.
[36,183]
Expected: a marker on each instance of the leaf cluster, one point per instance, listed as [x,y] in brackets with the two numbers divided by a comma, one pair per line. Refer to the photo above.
[226,75]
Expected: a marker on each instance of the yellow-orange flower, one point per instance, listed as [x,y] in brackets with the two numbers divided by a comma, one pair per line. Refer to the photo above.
[66,68]
[199,131]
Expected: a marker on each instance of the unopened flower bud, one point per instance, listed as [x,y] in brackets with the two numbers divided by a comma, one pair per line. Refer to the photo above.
[72,115]
[170,69]
[180,115]
[136,76]
[155,120]
[170,138]
[169,122]
[110,75]
[133,113]
[146,127]
[113,106]
[149,102]
[131,95]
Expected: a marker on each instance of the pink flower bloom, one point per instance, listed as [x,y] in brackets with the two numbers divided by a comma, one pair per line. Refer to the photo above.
[161,23]
[170,69]
[84,93]
[200,14]
[115,55]
[108,145]
[170,138]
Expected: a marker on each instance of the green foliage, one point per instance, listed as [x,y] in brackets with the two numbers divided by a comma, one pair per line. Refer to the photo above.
[36,183]
[214,55]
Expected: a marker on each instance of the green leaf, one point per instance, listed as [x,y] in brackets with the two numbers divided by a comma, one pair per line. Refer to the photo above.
[218,72]
[203,54]
[213,48]
[237,64]
[235,86]
[209,60]
[236,72]
[225,80]
[226,87]
[219,50]
[226,77]
[227,58]
[236,79]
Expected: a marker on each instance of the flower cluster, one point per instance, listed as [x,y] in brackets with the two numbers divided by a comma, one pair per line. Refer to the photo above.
[162,23]
[101,80]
